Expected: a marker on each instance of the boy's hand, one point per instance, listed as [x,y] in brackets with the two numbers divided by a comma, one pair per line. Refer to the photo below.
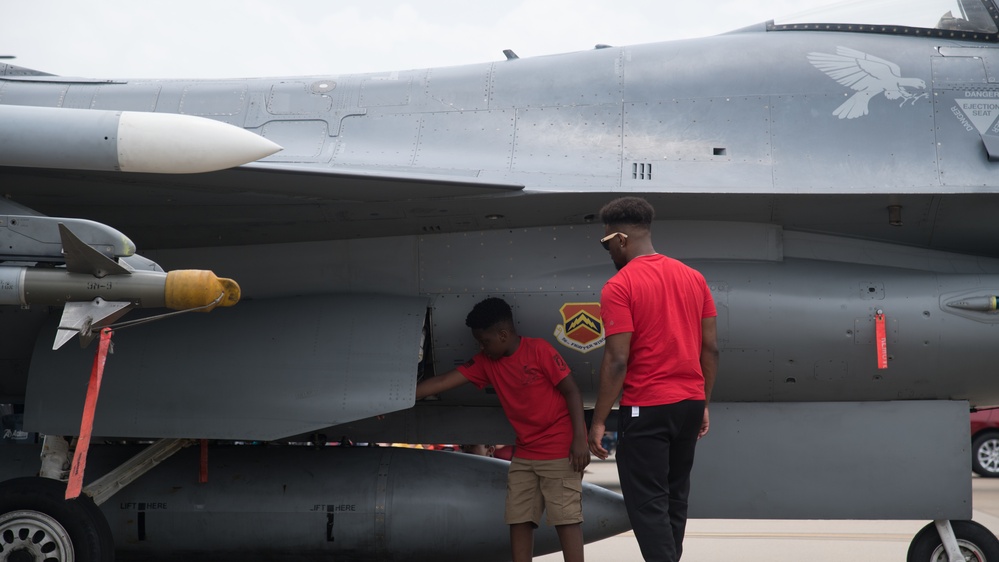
[440,383]
[596,435]
[579,454]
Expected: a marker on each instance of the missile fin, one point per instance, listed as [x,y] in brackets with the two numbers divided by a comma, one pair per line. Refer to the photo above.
[86,318]
[81,258]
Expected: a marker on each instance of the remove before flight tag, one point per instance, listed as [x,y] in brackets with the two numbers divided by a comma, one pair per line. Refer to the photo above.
[879,327]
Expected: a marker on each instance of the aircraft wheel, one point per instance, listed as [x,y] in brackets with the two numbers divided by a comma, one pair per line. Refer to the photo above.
[977,544]
[985,455]
[37,524]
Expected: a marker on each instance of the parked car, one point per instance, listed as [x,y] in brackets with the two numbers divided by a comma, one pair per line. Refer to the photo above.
[985,442]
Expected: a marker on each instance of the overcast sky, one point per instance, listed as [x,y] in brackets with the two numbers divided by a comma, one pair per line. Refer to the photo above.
[243,38]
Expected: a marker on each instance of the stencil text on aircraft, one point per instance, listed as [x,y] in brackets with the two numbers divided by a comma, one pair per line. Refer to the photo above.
[981,113]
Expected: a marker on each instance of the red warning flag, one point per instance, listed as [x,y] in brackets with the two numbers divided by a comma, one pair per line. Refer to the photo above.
[87,423]
[882,342]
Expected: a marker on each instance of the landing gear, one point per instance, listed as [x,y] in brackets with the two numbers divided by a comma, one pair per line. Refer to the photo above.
[37,524]
[974,542]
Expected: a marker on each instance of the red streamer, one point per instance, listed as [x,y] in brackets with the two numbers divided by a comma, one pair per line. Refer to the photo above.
[87,423]
[882,341]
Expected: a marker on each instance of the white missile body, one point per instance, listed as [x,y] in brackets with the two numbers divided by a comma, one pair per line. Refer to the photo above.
[125,141]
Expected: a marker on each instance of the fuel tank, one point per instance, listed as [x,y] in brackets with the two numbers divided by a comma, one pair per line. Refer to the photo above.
[277,502]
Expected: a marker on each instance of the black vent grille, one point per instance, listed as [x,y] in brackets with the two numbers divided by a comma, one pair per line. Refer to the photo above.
[641,171]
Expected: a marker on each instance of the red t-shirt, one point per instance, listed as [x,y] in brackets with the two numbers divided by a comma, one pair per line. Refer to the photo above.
[525,383]
[661,302]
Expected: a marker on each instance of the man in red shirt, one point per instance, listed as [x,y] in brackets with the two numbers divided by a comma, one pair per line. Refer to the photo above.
[545,408]
[662,350]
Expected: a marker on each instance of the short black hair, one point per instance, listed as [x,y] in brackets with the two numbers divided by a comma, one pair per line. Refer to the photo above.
[628,210]
[488,313]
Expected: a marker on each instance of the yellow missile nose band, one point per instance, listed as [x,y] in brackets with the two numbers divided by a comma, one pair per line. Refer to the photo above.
[231,289]
[195,288]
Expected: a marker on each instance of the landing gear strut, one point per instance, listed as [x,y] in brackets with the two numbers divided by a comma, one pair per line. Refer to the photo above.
[973,542]
[37,523]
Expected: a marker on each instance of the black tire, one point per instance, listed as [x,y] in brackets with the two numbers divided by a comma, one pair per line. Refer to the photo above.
[976,542]
[985,455]
[36,521]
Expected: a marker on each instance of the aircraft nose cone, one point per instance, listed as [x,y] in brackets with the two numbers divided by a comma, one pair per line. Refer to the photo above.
[127,141]
[170,143]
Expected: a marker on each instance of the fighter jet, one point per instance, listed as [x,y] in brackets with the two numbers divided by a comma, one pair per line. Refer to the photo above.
[833,176]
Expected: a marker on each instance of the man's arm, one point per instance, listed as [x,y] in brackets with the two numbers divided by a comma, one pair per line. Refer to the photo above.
[709,366]
[579,454]
[612,370]
[440,383]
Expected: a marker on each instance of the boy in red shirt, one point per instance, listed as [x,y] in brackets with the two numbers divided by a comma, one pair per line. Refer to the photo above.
[545,408]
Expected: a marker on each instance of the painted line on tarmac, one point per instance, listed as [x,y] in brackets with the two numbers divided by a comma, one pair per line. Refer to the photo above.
[877,537]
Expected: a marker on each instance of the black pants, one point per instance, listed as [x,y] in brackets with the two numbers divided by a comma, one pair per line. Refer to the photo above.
[654,456]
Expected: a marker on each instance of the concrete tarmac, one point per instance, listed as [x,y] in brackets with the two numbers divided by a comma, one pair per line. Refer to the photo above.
[760,540]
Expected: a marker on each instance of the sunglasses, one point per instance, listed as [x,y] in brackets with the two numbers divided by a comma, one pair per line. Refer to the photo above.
[605,241]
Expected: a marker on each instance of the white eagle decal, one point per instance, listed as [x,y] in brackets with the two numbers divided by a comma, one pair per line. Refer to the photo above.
[869,76]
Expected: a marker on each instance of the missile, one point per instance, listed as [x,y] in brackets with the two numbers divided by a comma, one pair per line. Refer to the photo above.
[126,141]
[96,290]
[182,289]
[90,302]
[326,503]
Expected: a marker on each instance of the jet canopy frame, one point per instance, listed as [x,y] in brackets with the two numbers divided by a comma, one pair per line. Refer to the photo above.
[965,20]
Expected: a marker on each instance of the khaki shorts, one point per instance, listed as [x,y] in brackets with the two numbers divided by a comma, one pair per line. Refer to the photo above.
[551,486]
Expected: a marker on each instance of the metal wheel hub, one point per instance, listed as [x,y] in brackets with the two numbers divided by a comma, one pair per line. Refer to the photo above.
[970,551]
[31,536]
[988,455]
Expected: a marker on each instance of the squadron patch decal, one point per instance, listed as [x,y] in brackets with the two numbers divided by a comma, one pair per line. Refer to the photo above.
[869,76]
[582,328]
